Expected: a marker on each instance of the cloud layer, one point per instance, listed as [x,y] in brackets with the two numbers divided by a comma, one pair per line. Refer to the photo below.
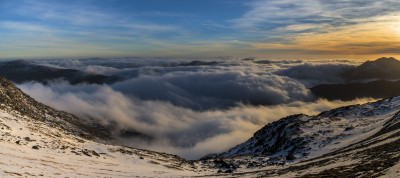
[311,74]
[186,132]
[187,110]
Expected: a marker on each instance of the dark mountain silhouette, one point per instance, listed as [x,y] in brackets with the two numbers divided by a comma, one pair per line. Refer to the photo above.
[350,91]
[382,68]
[199,63]
[264,62]
[21,71]
[249,59]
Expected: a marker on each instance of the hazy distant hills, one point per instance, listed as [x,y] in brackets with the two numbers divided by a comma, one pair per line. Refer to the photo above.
[380,71]
[21,71]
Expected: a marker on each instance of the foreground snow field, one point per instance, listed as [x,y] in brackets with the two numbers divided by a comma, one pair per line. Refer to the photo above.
[32,148]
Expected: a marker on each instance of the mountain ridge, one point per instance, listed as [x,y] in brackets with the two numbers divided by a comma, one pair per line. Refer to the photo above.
[382,68]
[13,99]
[29,71]
[376,79]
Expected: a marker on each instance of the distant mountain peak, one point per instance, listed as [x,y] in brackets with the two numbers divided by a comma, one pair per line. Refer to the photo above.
[199,63]
[382,68]
[384,62]
[392,59]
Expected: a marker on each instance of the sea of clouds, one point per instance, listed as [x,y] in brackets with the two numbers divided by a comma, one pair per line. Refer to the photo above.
[191,110]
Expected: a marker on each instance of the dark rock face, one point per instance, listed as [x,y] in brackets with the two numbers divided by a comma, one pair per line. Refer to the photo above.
[279,136]
[21,71]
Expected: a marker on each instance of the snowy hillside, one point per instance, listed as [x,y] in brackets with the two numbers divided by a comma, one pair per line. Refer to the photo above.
[31,148]
[358,140]
[36,140]
[300,135]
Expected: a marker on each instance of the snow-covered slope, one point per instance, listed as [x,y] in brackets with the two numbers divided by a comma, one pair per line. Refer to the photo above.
[301,136]
[30,148]
[13,100]
[358,140]
[37,140]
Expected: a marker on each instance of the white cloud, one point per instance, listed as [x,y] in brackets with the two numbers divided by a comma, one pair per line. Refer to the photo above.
[177,130]
[303,27]
[310,74]
[187,110]
[72,13]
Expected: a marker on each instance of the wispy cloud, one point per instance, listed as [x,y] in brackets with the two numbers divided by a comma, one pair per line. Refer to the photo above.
[274,13]
[304,27]
[71,13]
[152,27]
[264,26]
[26,27]
[68,27]
[363,38]
[324,27]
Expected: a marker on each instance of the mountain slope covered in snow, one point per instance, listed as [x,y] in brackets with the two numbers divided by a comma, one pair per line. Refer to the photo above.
[37,140]
[357,140]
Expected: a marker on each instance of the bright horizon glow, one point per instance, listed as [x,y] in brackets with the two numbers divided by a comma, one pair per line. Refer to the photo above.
[44,28]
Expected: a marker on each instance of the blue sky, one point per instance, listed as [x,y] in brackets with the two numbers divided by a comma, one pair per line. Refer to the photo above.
[55,28]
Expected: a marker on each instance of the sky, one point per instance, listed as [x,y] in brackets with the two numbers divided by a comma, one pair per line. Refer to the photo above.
[88,28]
